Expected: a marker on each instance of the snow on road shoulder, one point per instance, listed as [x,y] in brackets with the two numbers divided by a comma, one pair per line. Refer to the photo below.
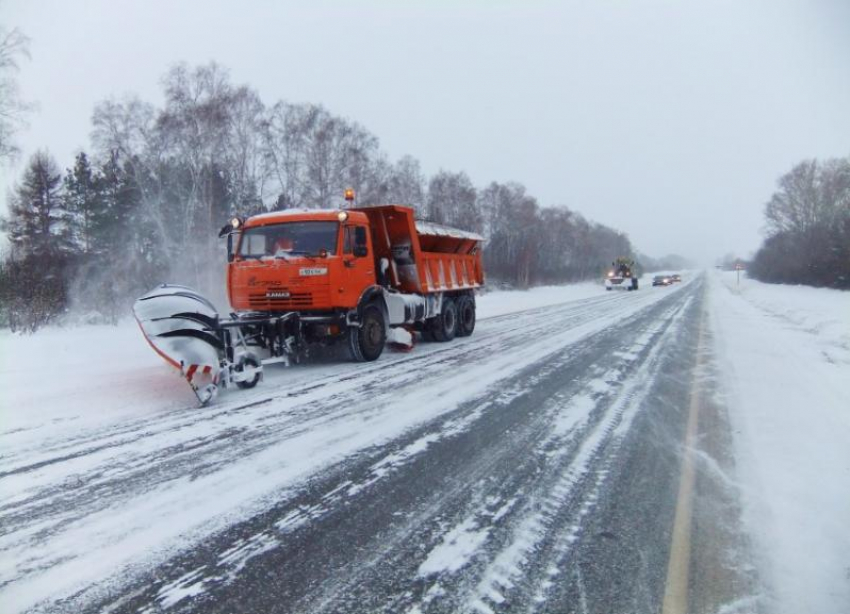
[785,358]
[82,373]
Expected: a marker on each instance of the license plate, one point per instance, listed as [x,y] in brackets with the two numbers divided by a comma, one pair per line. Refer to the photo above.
[313,272]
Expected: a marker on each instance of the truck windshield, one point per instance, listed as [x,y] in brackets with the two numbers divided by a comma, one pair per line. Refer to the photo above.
[289,239]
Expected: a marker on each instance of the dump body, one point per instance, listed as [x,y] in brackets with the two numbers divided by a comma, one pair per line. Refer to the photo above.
[424,258]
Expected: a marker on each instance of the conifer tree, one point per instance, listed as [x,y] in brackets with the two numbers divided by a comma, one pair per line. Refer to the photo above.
[41,248]
[84,205]
[38,224]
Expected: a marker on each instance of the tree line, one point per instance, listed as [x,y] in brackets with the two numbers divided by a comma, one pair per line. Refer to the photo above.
[808,227]
[144,204]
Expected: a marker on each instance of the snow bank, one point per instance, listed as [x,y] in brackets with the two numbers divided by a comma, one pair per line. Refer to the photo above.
[785,354]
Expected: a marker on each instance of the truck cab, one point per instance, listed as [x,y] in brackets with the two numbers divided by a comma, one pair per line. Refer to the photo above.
[309,261]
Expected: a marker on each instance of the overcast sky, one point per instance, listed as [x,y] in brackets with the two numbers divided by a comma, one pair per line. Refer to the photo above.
[668,119]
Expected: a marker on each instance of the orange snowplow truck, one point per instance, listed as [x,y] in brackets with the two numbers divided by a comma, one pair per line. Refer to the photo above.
[299,277]
[355,272]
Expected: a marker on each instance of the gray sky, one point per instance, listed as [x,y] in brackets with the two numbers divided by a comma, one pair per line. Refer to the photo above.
[668,119]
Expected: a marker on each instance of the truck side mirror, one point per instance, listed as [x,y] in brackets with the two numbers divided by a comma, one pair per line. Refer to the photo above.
[230,247]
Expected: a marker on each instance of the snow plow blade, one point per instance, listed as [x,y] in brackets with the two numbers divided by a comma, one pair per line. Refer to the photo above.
[183,327]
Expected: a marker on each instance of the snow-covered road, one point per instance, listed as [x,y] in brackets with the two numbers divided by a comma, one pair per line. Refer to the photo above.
[531,467]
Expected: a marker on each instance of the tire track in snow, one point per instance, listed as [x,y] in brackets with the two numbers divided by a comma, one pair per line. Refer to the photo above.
[521,567]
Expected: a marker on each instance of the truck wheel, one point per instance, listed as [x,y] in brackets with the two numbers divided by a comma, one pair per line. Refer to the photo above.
[366,343]
[251,362]
[465,316]
[444,326]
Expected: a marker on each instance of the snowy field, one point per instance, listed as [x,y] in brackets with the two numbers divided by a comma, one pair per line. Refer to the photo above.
[785,357]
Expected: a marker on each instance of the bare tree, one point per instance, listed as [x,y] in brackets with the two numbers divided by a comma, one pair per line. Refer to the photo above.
[513,229]
[314,156]
[795,206]
[13,110]
[406,184]
[127,131]
[285,135]
[808,227]
[452,200]
[246,152]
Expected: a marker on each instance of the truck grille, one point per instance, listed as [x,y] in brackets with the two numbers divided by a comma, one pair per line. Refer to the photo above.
[295,300]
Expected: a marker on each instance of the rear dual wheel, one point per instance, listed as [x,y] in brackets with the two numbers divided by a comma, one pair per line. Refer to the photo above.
[444,326]
[465,316]
[456,319]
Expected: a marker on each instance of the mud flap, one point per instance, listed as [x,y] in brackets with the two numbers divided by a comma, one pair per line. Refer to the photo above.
[400,340]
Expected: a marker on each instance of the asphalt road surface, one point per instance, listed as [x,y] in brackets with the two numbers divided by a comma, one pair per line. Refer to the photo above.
[533,467]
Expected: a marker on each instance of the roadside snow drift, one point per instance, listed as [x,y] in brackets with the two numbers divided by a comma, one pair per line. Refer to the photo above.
[785,355]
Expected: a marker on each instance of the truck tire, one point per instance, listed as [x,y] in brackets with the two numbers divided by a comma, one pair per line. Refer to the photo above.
[444,326]
[366,342]
[465,316]
[249,360]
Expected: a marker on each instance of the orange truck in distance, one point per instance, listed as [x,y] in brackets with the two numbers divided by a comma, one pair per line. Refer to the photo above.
[299,277]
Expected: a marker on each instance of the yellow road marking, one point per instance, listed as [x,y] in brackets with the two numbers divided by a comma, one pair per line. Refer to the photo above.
[678,568]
